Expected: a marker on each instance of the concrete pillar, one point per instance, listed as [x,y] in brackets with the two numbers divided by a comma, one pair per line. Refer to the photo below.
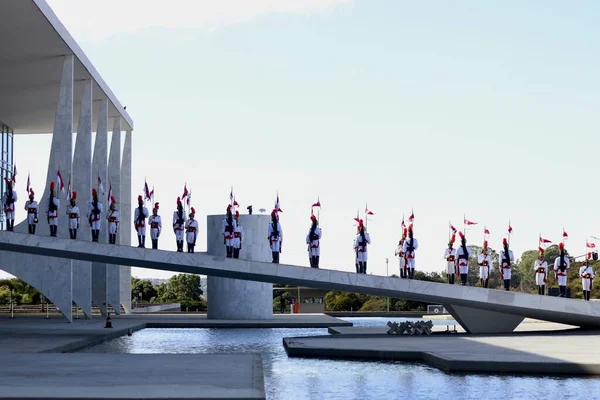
[51,276]
[113,273]
[99,169]
[81,183]
[234,298]
[126,219]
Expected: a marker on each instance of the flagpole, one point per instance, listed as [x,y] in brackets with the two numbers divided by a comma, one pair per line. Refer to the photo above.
[449,234]
[464,224]
[366,217]
[509,232]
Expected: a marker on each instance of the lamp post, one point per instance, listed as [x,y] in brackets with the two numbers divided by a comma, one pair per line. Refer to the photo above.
[387,273]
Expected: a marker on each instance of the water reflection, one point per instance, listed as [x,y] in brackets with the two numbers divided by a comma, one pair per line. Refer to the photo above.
[295,378]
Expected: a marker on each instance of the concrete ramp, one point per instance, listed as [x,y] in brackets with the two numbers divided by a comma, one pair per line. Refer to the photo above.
[478,310]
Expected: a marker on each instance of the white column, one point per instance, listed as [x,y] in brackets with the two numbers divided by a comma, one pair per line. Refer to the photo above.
[126,219]
[52,276]
[113,273]
[82,184]
[99,169]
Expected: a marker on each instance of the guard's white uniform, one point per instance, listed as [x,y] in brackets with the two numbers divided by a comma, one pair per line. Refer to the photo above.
[586,273]
[9,209]
[410,255]
[140,225]
[238,236]
[401,257]
[74,216]
[113,221]
[450,257]
[361,247]
[505,268]
[228,235]
[155,223]
[541,272]
[95,220]
[179,227]
[32,209]
[314,246]
[53,215]
[463,264]
[485,263]
[274,240]
[561,276]
[191,227]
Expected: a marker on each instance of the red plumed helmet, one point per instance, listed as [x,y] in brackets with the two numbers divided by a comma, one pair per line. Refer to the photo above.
[31,192]
[504,242]
[312,217]
[405,232]
[462,235]
[139,197]
[561,246]
[193,210]
[74,196]
[156,205]
[52,185]
[94,192]
[485,244]
[589,255]
[113,200]
[453,239]
[229,208]
[410,227]
[237,214]
[178,200]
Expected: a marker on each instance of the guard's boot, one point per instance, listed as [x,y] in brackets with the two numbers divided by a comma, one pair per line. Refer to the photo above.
[487,281]
[317,261]
[140,241]
[274,255]
[155,244]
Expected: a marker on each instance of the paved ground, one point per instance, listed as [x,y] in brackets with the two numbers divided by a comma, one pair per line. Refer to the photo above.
[535,348]
[131,376]
[127,376]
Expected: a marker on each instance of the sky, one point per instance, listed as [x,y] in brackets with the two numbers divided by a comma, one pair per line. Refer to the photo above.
[452,108]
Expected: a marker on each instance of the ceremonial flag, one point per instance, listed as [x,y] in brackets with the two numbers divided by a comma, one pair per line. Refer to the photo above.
[235,203]
[412,217]
[403,225]
[189,198]
[69,191]
[277,207]
[100,186]
[147,194]
[317,204]
[542,240]
[486,233]
[453,230]
[185,192]
[565,235]
[368,212]
[590,245]
[14,177]
[59,181]
[28,182]
[467,222]
[109,193]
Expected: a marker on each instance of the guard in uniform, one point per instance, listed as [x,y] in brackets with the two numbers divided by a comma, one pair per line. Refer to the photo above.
[9,200]
[463,253]
[74,216]
[238,236]
[275,236]
[32,208]
[450,257]
[506,258]
[586,272]
[52,212]
[141,213]
[561,267]
[229,225]
[362,241]
[313,241]
[191,227]
[484,260]
[113,217]
[179,219]
[155,223]
[94,214]
[402,256]
[540,266]
[410,245]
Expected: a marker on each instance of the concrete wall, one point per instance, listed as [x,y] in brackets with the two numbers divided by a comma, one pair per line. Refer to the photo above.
[235,298]
[158,308]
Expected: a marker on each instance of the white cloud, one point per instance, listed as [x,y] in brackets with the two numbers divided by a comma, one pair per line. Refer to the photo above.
[91,20]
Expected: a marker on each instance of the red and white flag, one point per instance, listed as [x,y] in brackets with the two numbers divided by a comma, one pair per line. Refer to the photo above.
[403,225]
[59,182]
[109,193]
[509,228]
[565,235]
[147,194]
[185,192]
[412,217]
[486,232]
[544,241]
[189,198]
[28,182]
[235,203]
[100,186]
[452,230]
[467,222]
[277,206]
[317,204]
[590,245]
[368,212]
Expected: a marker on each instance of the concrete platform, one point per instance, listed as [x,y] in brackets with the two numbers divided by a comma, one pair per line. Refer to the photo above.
[559,352]
[131,376]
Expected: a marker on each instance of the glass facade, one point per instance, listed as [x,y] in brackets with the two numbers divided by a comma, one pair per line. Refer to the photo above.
[6,162]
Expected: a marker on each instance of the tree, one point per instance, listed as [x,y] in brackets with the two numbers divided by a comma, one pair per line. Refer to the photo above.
[143,286]
[179,288]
